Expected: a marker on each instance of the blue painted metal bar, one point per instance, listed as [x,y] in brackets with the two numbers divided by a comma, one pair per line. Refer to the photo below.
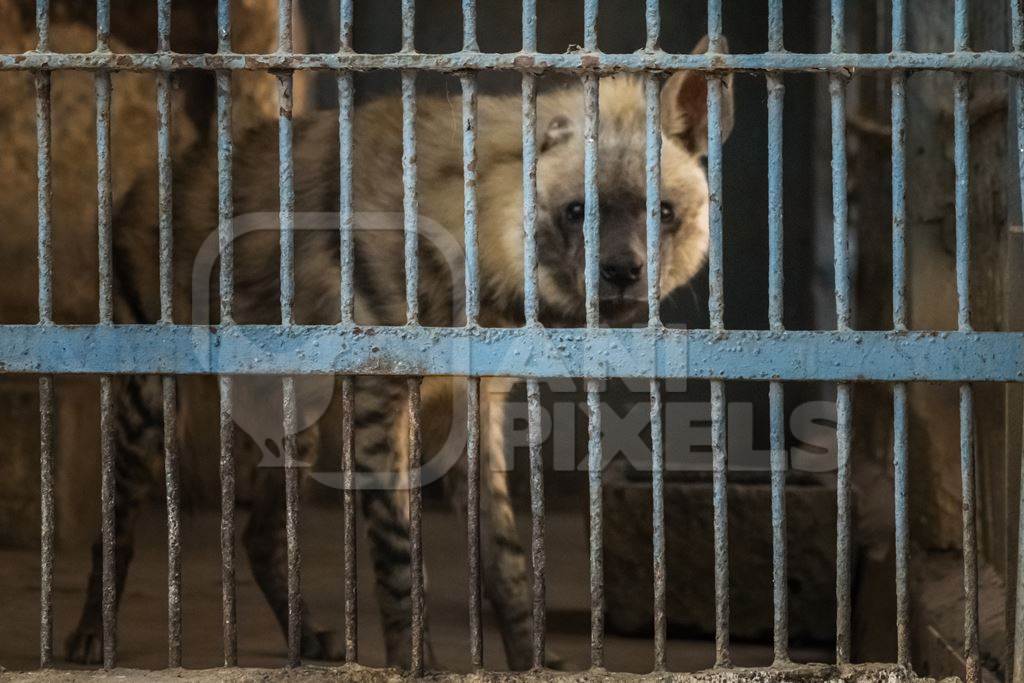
[652,97]
[527,61]
[346,118]
[47,505]
[225,240]
[286,187]
[776,406]
[410,199]
[899,319]
[591,201]
[837,91]
[515,352]
[716,307]
[590,9]
[530,298]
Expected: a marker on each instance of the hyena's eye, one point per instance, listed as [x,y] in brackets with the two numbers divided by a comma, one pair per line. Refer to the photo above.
[668,213]
[573,212]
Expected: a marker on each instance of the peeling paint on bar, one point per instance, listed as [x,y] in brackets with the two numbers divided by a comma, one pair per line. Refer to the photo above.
[526,61]
[515,352]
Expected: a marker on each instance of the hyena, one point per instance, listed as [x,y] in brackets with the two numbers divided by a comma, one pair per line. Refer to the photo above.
[379,434]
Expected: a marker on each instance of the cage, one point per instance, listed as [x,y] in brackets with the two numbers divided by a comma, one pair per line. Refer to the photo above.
[801,464]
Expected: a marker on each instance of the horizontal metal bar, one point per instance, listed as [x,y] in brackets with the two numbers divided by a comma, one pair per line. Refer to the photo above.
[514,352]
[588,62]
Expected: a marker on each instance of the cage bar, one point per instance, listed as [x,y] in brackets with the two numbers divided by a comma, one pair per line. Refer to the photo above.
[591,245]
[225,240]
[286,181]
[471,241]
[416,529]
[47,504]
[346,117]
[169,389]
[537,551]
[1017,37]
[837,93]
[961,162]
[652,107]
[899,315]
[569,62]
[776,406]
[104,211]
[716,307]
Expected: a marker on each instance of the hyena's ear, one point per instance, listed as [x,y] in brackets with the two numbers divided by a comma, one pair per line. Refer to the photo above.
[684,105]
[557,131]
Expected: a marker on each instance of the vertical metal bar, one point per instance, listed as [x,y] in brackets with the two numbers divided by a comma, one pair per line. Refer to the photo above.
[45,258]
[171,466]
[652,101]
[899,315]
[346,115]
[348,469]
[104,213]
[530,168]
[837,91]
[416,529]
[961,162]
[286,180]
[1017,27]
[594,466]
[779,462]
[410,196]
[716,310]
[225,238]
[538,555]
[591,241]
[469,175]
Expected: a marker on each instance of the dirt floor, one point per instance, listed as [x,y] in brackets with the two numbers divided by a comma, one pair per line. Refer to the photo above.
[142,632]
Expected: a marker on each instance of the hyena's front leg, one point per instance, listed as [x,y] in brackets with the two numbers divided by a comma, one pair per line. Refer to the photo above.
[381,468]
[266,544]
[138,446]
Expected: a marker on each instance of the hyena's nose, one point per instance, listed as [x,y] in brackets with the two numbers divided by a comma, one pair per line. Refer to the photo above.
[621,272]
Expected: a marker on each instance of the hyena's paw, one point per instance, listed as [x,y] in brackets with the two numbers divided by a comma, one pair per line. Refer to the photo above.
[555,661]
[322,644]
[85,644]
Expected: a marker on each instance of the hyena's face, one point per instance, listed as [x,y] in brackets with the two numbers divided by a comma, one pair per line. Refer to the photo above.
[682,215]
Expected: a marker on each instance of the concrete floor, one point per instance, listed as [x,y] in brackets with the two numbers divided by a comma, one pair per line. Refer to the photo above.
[142,629]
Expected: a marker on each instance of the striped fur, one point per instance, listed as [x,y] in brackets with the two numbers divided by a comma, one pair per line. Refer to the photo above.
[379,401]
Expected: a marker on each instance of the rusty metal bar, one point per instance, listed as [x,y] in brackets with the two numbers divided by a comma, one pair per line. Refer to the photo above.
[165,218]
[471,241]
[416,529]
[537,554]
[47,503]
[225,239]
[104,205]
[527,61]
[346,117]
